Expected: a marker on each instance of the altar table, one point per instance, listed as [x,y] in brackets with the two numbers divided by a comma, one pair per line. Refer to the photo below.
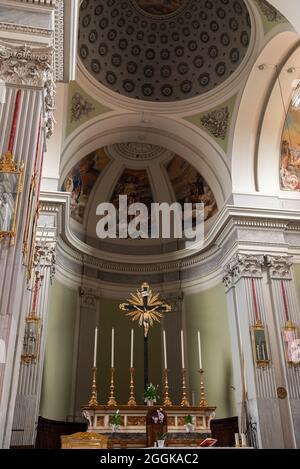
[133,419]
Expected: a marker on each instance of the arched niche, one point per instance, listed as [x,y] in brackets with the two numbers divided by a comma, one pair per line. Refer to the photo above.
[179,137]
[256,141]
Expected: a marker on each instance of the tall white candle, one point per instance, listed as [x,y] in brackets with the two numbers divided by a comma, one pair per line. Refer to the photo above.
[112,348]
[95,347]
[131,350]
[165,350]
[182,351]
[199,351]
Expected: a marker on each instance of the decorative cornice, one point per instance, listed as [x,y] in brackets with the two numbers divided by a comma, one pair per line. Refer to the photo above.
[280,267]
[31,67]
[26,29]
[216,252]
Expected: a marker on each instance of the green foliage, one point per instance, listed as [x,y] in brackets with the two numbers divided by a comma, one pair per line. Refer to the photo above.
[115,419]
[151,393]
[189,420]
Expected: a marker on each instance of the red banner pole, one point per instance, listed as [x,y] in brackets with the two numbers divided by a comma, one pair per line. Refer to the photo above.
[255,301]
[286,308]
[14,122]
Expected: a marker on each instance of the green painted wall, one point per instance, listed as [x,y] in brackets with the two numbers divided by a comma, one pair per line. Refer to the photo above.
[297,278]
[110,316]
[207,312]
[57,377]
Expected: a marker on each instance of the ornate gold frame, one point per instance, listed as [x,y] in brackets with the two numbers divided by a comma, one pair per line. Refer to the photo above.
[291,328]
[8,166]
[262,360]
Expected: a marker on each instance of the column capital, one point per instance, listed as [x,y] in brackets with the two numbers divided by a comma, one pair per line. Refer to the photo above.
[27,66]
[242,266]
[280,267]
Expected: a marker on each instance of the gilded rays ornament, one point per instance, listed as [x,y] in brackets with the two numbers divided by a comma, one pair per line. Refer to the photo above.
[145,307]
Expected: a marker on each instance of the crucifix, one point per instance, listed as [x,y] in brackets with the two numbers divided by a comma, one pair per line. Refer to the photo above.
[146,308]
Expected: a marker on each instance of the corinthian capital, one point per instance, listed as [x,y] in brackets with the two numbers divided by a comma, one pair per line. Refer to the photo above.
[242,265]
[280,267]
[26,66]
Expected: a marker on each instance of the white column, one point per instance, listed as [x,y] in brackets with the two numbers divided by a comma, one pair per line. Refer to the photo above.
[13,292]
[264,407]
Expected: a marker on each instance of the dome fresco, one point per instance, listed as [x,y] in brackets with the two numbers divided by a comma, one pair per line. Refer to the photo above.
[183,183]
[163,50]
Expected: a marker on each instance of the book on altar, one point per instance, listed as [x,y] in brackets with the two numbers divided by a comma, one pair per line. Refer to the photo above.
[208,442]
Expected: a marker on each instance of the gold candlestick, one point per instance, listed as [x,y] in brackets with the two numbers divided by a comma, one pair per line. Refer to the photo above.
[203,401]
[93,400]
[131,401]
[112,400]
[167,400]
[184,401]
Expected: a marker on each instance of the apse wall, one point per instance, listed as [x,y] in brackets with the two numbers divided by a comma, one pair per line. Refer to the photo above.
[69,352]
[206,311]
[58,365]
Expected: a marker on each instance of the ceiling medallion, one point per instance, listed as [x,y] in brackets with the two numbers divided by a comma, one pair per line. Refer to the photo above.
[138,151]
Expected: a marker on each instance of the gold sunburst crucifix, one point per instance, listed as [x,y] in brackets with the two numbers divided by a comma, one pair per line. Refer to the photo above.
[145,307]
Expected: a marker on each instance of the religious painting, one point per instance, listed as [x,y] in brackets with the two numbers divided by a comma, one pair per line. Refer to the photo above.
[190,187]
[10,189]
[81,180]
[260,344]
[160,7]
[291,344]
[136,186]
[290,152]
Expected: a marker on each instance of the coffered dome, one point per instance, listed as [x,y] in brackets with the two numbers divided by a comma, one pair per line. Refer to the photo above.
[159,50]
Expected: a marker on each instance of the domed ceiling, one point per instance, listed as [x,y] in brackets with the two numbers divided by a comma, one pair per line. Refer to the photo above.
[145,173]
[163,50]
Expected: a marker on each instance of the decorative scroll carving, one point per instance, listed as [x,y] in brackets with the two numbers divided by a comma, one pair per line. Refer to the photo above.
[242,265]
[88,297]
[32,67]
[280,267]
[217,122]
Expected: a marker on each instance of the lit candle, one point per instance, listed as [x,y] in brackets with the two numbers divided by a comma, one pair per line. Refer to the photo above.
[165,350]
[182,351]
[95,347]
[131,350]
[199,350]
[264,352]
[244,442]
[112,348]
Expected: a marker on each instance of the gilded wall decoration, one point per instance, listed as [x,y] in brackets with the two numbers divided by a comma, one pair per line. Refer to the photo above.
[80,107]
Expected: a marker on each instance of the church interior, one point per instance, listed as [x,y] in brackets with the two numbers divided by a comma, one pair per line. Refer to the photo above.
[127,341]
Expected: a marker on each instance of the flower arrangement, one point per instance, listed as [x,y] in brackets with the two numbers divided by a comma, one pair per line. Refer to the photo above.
[115,421]
[158,417]
[161,438]
[151,394]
